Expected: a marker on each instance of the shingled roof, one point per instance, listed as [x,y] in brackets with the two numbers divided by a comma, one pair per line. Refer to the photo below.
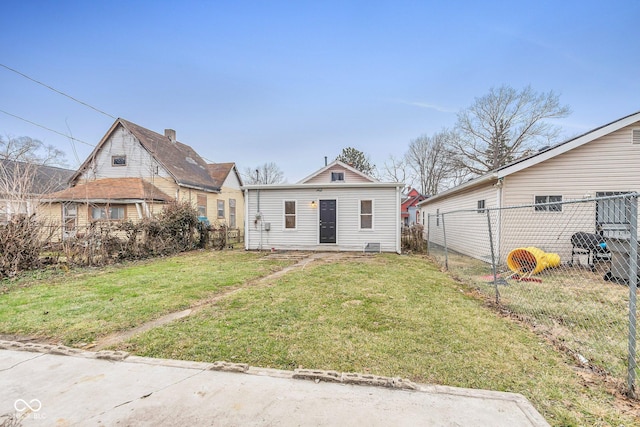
[220,171]
[111,189]
[186,167]
[41,179]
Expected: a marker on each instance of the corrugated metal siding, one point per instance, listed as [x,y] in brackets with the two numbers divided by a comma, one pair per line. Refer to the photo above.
[305,236]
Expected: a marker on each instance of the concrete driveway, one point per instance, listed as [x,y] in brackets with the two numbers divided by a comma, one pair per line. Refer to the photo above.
[55,385]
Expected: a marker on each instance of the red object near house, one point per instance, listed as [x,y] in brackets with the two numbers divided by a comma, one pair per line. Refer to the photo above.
[408,210]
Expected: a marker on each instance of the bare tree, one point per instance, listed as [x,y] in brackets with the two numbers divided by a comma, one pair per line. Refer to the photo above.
[267,173]
[26,173]
[29,150]
[432,162]
[502,125]
[396,170]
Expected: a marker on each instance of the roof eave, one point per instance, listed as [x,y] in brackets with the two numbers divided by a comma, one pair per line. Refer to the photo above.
[491,176]
[569,144]
[323,186]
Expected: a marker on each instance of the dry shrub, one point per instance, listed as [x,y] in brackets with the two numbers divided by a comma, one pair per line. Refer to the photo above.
[21,242]
[413,240]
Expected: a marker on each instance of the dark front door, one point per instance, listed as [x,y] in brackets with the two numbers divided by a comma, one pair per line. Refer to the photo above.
[327,221]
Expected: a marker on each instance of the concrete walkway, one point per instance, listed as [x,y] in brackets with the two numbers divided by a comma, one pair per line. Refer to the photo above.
[55,385]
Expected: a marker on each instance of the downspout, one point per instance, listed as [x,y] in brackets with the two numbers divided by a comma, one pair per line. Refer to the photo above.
[398,221]
[246,219]
[499,185]
[259,219]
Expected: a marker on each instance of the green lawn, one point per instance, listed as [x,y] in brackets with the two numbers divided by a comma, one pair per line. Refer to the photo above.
[387,315]
[78,307]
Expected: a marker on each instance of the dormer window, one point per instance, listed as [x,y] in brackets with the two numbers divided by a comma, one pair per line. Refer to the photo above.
[337,176]
[118,160]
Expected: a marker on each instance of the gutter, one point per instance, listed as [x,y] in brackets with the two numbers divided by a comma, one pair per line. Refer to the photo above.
[324,186]
[492,176]
[198,187]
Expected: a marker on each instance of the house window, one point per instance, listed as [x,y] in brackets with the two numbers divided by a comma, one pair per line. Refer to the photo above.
[69,214]
[221,209]
[290,214]
[107,212]
[202,205]
[337,176]
[480,206]
[118,160]
[232,213]
[541,204]
[366,214]
[437,217]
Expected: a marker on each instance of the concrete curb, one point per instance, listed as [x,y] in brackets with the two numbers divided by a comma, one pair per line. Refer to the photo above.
[351,379]
[298,374]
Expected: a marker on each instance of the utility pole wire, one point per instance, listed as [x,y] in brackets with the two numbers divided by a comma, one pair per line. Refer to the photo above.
[57,91]
[49,129]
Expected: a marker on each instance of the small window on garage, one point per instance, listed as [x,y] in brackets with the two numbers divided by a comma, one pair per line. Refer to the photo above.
[480,206]
[548,204]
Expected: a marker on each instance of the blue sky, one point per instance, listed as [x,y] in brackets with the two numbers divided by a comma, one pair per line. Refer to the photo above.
[292,82]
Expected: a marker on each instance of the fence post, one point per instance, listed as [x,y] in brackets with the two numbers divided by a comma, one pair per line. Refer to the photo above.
[633,286]
[428,228]
[493,257]
[446,251]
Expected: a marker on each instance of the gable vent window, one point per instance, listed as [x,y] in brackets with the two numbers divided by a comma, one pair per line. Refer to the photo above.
[118,160]
[337,176]
[635,136]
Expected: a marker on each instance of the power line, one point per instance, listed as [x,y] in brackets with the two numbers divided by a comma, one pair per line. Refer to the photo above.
[57,91]
[49,129]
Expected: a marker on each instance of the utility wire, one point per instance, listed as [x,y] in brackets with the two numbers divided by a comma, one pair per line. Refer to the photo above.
[57,91]
[49,129]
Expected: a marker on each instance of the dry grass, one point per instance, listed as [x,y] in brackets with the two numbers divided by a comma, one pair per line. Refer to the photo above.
[572,305]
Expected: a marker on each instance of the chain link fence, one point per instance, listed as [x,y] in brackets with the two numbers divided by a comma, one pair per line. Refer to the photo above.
[567,268]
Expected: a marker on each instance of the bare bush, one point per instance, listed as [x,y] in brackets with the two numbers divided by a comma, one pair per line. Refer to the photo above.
[413,240]
[21,244]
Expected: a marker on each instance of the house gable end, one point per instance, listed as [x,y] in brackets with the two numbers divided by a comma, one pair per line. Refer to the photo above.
[121,155]
[331,174]
[569,145]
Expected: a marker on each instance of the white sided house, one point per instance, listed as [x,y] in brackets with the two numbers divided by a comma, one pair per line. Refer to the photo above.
[602,162]
[338,208]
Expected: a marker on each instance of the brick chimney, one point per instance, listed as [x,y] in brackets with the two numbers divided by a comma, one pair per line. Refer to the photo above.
[171,134]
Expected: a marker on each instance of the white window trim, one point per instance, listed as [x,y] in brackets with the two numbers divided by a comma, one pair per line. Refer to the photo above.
[482,209]
[373,216]
[124,156]
[284,214]
[344,176]
[546,210]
